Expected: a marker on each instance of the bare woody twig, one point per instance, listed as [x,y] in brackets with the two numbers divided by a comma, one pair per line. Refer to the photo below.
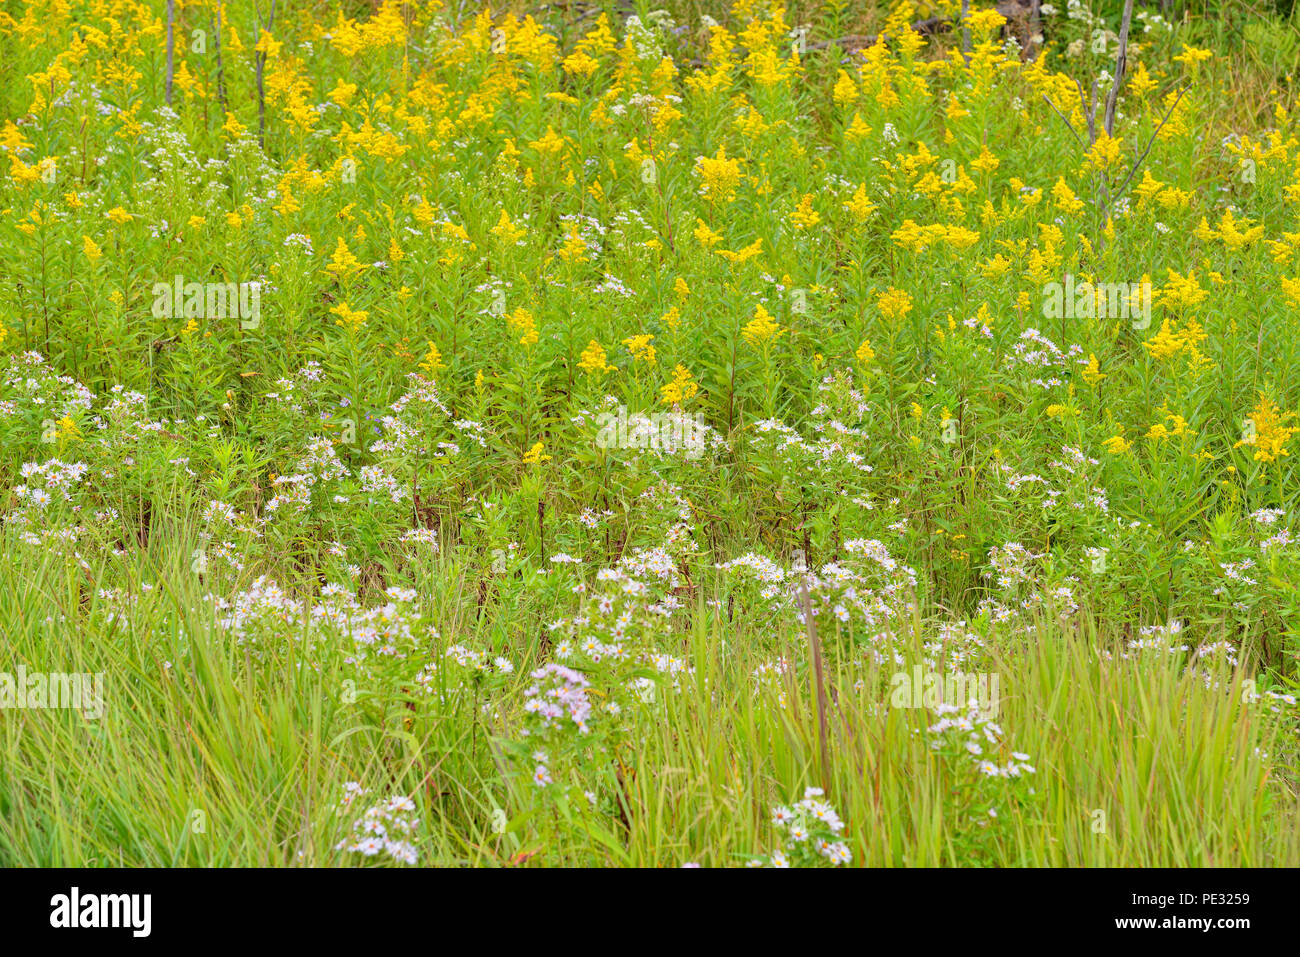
[1089,107]
[1121,63]
[1089,110]
[1151,141]
[965,30]
[1068,125]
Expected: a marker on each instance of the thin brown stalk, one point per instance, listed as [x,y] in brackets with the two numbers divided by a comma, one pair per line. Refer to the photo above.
[814,643]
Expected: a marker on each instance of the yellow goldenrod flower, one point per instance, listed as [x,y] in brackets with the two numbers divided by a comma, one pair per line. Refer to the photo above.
[986,162]
[534,455]
[550,144]
[804,216]
[349,318]
[343,264]
[575,247]
[857,130]
[984,22]
[432,361]
[1116,445]
[743,255]
[859,206]
[641,349]
[521,322]
[1192,56]
[1105,154]
[681,389]
[719,176]
[865,353]
[1267,432]
[507,231]
[1291,289]
[1092,373]
[894,304]
[761,328]
[846,91]
[1065,199]
[594,359]
[1140,83]
[705,236]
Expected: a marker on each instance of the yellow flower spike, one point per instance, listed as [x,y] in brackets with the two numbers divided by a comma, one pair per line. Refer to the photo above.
[343,264]
[574,248]
[432,361]
[593,359]
[1116,445]
[743,255]
[1291,289]
[705,236]
[984,22]
[1191,56]
[719,176]
[804,216]
[641,349]
[506,230]
[1105,154]
[521,321]
[894,304]
[762,328]
[681,389]
[1266,431]
[534,456]
[1140,83]
[859,206]
[986,161]
[865,354]
[857,130]
[1065,199]
[349,318]
[1092,373]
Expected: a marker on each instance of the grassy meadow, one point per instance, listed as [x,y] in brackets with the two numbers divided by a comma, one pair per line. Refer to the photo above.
[612,434]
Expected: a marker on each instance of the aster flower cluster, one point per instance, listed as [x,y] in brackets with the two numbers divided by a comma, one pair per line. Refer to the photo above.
[387,828]
[968,730]
[811,832]
[558,695]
